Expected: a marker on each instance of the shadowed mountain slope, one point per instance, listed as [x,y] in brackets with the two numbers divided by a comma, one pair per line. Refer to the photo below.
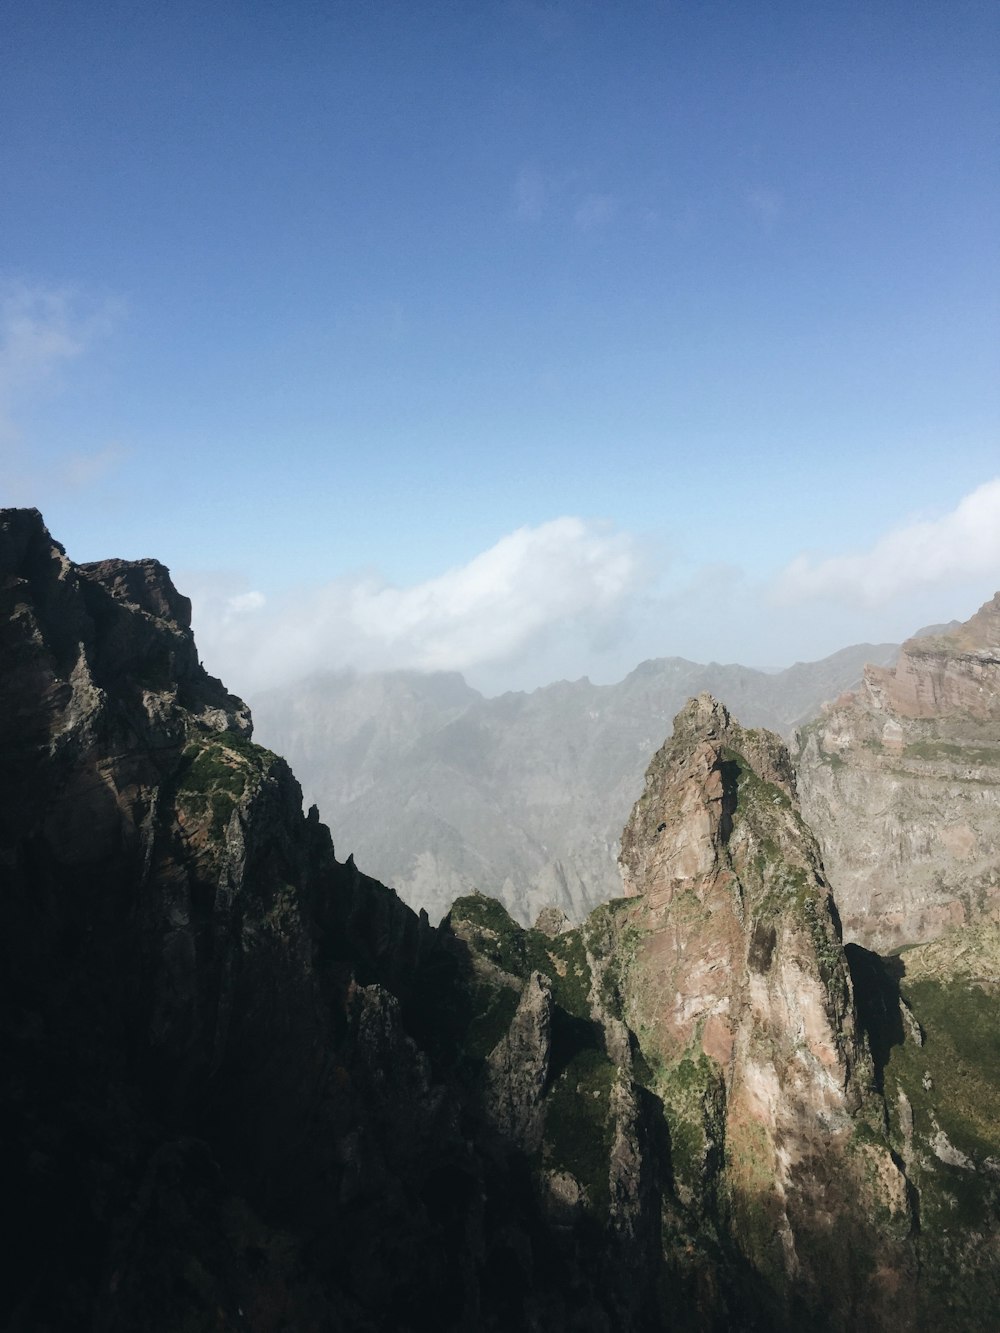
[245,1089]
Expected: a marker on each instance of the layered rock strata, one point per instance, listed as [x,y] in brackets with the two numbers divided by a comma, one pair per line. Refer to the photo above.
[901,780]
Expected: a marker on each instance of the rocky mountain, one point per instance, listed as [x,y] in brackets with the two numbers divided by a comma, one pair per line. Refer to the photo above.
[245,1088]
[901,779]
[440,791]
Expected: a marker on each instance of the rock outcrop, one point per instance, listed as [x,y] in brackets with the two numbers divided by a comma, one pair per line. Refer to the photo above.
[932,1015]
[217,1113]
[901,780]
[245,1088]
[741,992]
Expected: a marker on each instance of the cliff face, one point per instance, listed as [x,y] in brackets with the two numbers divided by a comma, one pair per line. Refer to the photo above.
[184,1021]
[701,1070]
[243,1087]
[741,991]
[902,782]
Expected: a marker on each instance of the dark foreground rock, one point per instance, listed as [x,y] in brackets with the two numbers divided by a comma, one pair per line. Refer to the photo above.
[243,1087]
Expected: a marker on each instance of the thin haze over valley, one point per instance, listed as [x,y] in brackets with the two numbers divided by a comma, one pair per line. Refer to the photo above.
[528,341]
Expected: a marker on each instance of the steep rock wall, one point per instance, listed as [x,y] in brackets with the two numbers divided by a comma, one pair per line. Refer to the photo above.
[741,994]
[901,780]
[215,1114]
[244,1087]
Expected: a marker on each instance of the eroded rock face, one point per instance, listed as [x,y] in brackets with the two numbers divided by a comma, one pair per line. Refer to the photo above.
[518,1067]
[216,1114]
[933,1014]
[752,1143]
[901,780]
[244,1087]
[740,989]
[185,1066]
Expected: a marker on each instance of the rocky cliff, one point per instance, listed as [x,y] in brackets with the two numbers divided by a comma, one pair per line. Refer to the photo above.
[741,992]
[244,1087]
[702,1069]
[901,779]
[193,1022]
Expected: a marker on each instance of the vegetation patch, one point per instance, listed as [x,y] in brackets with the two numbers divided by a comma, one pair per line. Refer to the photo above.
[828,948]
[564,961]
[613,945]
[493,934]
[579,1130]
[214,772]
[979,755]
[955,1075]
[750,1201]
[490,931]
[693,1104]
[751,788]
[492,1011]
[457,1014]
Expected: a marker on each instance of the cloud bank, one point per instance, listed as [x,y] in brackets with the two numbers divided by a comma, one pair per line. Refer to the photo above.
[964,543]
[573,596]
[569,575]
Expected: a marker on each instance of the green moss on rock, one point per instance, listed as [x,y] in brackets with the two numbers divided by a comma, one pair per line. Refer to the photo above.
[579,1130]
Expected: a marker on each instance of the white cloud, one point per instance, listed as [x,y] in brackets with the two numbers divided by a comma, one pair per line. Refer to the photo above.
[567,574]
[245,602]
[964,543]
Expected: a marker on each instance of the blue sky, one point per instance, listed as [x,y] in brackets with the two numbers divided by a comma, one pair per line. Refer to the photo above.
[530,339]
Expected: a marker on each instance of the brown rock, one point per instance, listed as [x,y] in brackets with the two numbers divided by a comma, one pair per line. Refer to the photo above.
[739,969]
[901,780]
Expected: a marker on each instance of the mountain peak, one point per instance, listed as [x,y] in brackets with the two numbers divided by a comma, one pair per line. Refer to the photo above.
[145,584]
[953,673]
[703,715]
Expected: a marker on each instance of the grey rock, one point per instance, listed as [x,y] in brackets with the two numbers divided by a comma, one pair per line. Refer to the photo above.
[901,780]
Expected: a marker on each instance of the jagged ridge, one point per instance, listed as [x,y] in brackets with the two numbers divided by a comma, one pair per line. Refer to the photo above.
[245,1087]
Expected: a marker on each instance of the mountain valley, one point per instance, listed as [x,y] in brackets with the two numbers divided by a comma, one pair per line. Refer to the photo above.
[441,792]
[245,1087]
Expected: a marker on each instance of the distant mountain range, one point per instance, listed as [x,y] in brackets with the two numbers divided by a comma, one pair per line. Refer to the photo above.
[438,791]
[244,1087]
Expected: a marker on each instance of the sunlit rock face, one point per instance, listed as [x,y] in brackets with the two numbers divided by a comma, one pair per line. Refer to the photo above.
[901,780]
[740,989]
